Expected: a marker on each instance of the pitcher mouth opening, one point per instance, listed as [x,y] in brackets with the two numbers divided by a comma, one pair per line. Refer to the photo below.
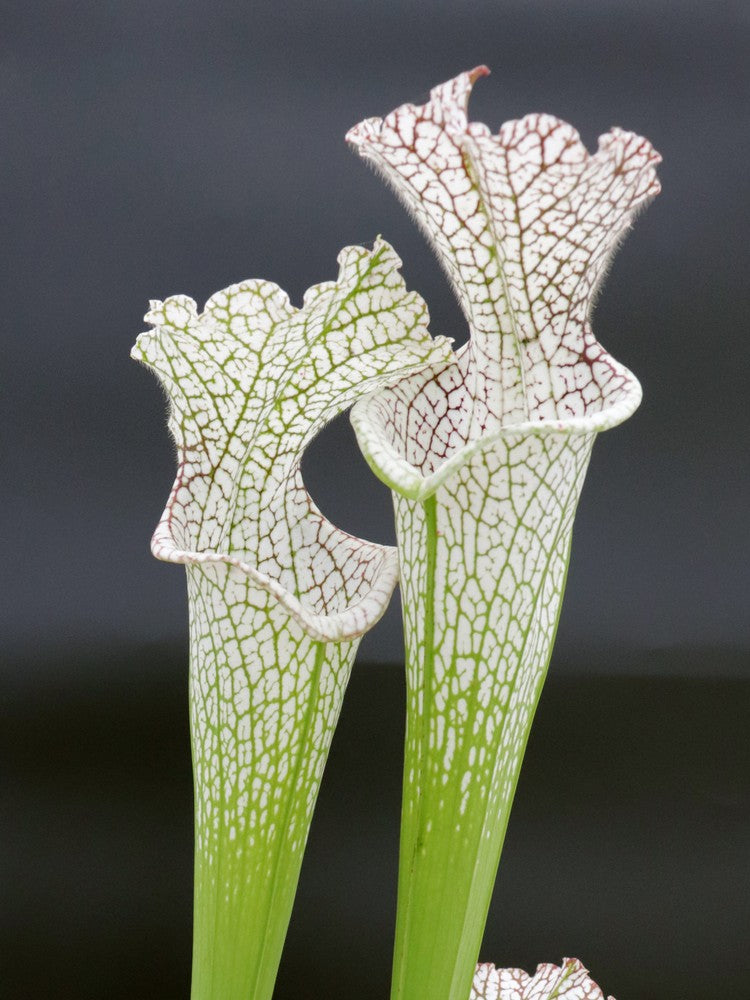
[347,618]
[375,423]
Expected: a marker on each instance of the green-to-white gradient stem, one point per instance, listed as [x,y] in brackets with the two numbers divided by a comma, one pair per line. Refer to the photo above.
[481,606]
[261,732]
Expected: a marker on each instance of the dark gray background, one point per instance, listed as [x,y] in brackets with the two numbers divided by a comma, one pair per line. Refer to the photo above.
[153,148]
[159,147]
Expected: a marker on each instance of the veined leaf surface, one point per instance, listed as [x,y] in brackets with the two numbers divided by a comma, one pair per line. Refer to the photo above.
[486,456]
[571,981]
[279,596]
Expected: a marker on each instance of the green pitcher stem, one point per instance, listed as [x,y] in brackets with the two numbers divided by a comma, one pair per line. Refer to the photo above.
[472,694]
[259,749]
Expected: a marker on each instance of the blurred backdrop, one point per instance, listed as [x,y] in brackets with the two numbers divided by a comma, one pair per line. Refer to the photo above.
[159,147]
